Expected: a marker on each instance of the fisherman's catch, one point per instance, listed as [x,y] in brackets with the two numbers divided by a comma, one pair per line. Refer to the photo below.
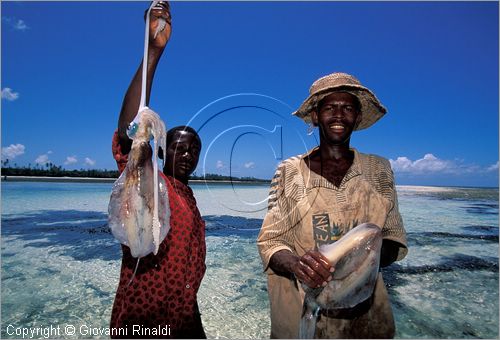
[139,211]
[356,258]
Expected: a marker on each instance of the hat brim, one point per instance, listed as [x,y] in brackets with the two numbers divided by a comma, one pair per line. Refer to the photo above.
[371,108]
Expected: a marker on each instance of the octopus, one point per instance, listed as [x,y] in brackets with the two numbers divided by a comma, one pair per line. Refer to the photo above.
[138,210]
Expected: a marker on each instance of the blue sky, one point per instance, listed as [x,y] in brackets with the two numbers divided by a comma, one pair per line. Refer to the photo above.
[236,70]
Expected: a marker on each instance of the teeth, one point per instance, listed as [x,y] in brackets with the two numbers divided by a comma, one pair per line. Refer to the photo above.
[336,126]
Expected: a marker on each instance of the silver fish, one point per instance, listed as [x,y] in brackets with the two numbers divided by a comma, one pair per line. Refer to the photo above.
[139,211]
[356,258]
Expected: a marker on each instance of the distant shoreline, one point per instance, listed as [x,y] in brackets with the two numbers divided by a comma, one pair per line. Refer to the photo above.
[6,178]
[56,179]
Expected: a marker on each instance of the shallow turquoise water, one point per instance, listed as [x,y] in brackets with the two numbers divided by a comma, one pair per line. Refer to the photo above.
[60,265]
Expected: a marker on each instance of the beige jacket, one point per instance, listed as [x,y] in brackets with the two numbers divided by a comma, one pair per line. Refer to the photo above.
[305,211]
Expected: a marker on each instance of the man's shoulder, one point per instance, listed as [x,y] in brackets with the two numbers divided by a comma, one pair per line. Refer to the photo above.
[287,180]
[287,170]
[290,162]
[378,172]
[372,161]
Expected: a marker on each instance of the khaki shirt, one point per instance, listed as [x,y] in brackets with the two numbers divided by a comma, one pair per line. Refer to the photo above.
[305,211]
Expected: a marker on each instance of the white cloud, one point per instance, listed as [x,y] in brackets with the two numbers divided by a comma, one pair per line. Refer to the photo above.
[17,24]
[401,164]
[429,163]
[42,159]
[432,164]
[9,95]
[12,151]
[89,161]
[249,165]
[20,25]
[220,165]
[493,167]
[71,160]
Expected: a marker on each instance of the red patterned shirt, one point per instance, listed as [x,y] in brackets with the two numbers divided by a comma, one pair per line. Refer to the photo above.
[162,295]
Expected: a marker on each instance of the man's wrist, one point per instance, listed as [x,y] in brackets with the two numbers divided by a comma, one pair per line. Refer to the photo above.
[155,52]
[292,263]
[284,261]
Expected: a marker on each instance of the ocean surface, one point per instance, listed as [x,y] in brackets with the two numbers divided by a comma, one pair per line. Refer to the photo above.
[60,265]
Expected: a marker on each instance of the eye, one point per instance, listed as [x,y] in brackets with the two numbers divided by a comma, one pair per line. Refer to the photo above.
[179,148]
[348,108]
[196,151]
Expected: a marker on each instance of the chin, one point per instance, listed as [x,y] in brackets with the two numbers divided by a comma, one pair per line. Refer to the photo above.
[182,176]
[338,139]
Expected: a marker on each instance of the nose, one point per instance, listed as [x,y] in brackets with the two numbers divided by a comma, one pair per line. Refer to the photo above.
[186,155]
[338,111]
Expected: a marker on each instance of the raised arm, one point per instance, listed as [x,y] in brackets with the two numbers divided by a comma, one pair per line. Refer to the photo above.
[132,98]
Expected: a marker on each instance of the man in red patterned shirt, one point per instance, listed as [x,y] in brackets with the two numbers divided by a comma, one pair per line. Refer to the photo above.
[161,300]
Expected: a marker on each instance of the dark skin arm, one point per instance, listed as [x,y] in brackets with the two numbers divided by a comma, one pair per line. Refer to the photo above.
[132,98]
[314,270]
[388,253]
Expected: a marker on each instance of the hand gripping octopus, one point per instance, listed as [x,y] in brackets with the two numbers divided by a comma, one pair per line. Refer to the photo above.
[139,211]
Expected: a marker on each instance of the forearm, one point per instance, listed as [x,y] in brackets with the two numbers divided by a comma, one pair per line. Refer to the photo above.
[132,98]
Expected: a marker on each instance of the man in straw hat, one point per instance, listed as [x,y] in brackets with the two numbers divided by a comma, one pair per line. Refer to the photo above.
[319,196]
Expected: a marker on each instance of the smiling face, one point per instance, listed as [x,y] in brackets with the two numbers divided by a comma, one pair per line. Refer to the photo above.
[337,115]
[183,153]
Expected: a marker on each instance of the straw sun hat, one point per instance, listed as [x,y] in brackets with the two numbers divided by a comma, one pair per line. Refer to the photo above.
[371,108]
